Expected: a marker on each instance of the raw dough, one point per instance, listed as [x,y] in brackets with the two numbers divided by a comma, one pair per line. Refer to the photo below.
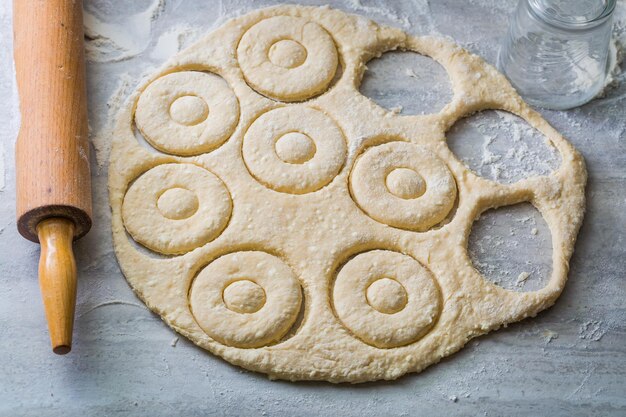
[187,113]
[288,58]
[323,240]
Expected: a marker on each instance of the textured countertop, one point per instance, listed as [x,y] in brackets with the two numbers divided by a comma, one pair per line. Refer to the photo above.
[569,360]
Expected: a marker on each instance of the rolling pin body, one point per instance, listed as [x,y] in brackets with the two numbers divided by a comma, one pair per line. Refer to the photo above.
[52,153]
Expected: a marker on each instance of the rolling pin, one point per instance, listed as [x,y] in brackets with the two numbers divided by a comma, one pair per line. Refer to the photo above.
[52,151]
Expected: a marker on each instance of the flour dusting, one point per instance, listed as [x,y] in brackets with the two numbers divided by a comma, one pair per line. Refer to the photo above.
[117,41]
[102,138]
[358,6]
[173,41]
[2,169]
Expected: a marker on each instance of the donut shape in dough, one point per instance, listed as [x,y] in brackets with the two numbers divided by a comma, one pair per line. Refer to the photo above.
[187,112]
[403,185]
[174,208]
[411,298]
[288,58]
[299,126]
[244,317]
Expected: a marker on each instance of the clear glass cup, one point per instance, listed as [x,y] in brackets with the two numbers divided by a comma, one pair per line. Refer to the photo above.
[556,51]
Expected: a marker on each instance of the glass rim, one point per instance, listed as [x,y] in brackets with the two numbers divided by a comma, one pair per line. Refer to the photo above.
[541,13]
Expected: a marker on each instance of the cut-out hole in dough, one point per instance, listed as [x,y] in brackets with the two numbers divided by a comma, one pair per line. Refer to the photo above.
[512,247]
[502,147]
[407,82]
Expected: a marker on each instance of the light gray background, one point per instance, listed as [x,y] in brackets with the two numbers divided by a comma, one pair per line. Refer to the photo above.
[570,360]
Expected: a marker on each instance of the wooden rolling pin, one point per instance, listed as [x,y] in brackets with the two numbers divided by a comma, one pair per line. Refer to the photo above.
[52,152]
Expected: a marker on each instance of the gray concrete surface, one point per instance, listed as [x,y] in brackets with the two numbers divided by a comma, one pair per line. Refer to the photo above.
[569,360]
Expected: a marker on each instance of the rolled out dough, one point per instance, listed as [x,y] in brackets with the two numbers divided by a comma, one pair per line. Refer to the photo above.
[285,222]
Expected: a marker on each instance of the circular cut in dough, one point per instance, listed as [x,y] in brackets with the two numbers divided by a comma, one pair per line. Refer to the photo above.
[386,299]
[294,149]
[174,208]
[403,185]
[288,58]
[187,112]
[246,299]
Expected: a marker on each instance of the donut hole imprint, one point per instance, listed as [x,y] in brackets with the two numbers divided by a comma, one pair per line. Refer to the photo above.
[502,147]
[403,185]
[288,58]
[407,83]
[246,299]
[175,208]
[512,247]
[187,112]
[294,149]
[385,298]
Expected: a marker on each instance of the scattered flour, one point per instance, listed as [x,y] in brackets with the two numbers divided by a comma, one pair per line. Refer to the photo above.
[2,168]
[173,40]
[510,149]
[402,20]
[102,138]
[521,279]
[410,73]
[592,330]
[549,335]
[118,41]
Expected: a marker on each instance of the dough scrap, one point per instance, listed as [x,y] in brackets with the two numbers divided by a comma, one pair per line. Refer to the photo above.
[326,239]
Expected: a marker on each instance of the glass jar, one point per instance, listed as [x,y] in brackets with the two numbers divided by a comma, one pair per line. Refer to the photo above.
[556,51]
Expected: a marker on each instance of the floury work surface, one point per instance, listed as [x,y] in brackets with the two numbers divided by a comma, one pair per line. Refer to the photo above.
[570,360]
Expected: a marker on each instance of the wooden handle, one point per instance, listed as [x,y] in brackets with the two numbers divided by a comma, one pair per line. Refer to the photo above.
[52,153]
[57,279]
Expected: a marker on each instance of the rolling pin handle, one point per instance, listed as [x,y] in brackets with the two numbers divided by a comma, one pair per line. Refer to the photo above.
[57,278]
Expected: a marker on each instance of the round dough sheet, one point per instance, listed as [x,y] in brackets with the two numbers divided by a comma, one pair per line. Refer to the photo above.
[278,218]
